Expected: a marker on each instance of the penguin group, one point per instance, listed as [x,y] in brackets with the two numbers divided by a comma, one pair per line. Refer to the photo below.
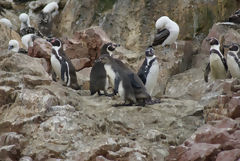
[220,67]
[133,88]
[62,67]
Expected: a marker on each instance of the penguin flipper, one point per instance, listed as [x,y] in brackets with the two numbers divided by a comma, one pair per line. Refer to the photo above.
[116,83]
[141,72]
[206,72]
[133,81]
[63,69]
[160,37]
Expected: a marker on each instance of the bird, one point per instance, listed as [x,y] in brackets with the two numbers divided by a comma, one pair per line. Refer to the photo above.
[125,81]
[149,70]
[26,27]
[6,22]
[167,32]
[217,65]
[98,78]
[27,40]
[13,45]
[235,18]
[233,61]
[62,65]
[46,18]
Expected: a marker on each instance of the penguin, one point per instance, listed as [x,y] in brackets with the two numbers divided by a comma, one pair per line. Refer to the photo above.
[233,61]
[167,32]
[13,45]
[62,65]
[235,18]
[46,18]
[149,71]
[26,27]
[217,65]
[98,78]
[6,22]
[125,81]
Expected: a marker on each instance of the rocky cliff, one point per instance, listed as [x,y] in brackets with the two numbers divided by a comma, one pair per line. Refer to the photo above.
[42,120]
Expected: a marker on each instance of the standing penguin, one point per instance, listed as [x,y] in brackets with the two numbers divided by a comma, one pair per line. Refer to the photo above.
[217,65]
[167,31]
[98,78]
[62,65]
[149,70]
[233,61]
[126,82]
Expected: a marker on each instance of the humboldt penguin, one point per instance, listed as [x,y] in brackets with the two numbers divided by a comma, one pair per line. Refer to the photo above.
[167,32]
[149,71]
[62,65]
[46,17]
[233,61]
[217,65]
[13,45]
[98,78]
[26,27]
[125,81]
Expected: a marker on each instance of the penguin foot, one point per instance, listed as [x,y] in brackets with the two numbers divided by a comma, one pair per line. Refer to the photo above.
[152,102]
[109,95]
[122,104]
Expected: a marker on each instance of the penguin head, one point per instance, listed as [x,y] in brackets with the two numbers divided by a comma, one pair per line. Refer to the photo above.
[13,45]
[108,48]
[149,52]
[212,41]
[234,47]
[55,42]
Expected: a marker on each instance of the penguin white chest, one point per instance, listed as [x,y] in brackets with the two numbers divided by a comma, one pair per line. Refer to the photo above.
[152,78]
[233,66]
[56,65]
[110,73]
[217,68]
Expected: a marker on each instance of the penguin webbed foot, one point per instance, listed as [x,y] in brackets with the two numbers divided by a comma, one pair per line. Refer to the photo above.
[152,102]
[122,104]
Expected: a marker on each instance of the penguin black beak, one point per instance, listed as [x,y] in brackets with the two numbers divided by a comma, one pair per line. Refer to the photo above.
[116,45]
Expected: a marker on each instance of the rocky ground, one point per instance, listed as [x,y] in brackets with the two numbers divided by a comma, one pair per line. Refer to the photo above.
[42,120]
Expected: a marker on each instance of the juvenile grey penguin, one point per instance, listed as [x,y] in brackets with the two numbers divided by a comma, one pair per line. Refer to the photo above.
[149,71]
[126,82]
[217,65]
[13,45]
[233,61]
[98,78]
[62,65]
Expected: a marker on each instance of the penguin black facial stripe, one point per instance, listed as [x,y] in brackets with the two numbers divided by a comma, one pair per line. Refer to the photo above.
[235,58]
[221,57]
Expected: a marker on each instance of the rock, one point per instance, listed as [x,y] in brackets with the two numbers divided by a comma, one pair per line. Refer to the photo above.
[41,49]
[208,142]
[84,78]
[85,45]
[81,63]
[230,155]
[6,35]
